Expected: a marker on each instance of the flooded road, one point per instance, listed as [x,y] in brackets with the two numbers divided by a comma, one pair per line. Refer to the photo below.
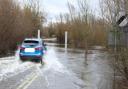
[62,70]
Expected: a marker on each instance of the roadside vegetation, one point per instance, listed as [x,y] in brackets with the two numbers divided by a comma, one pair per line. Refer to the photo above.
[18,22]
[110,9]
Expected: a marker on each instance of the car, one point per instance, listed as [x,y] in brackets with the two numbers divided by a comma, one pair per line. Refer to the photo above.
[32,49]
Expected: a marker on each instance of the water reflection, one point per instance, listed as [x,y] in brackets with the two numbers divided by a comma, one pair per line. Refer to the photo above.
[96,75]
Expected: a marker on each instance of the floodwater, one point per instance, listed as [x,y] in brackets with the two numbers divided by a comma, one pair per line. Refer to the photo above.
[63,69]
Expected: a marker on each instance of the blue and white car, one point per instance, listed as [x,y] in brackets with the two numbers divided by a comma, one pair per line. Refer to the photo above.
[32,49]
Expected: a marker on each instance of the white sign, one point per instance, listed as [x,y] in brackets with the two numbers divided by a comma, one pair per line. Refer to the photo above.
[122,19]
[124,22]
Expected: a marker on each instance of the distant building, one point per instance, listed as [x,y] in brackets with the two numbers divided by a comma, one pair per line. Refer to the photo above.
[124,36]
[121,39]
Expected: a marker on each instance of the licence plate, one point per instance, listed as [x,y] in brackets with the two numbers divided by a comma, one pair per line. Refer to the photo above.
[29,50]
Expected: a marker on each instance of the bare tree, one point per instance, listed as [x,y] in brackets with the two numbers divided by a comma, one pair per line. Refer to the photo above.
[16,23]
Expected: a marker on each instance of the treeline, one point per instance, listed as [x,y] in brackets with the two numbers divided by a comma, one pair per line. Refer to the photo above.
[18,22]
[83,26]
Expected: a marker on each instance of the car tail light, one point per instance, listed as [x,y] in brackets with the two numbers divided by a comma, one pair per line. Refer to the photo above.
[18,47]
[22,48]
[39,48]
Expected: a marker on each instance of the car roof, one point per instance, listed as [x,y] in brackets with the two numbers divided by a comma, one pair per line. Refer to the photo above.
[35,39]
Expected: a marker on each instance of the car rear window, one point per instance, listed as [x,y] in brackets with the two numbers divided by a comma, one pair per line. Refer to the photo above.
[31,41]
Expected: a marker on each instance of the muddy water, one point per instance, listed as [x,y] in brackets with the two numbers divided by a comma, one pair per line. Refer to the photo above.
[95,73]
[63,69]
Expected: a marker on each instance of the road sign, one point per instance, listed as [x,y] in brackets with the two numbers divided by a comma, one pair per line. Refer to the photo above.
[122,19]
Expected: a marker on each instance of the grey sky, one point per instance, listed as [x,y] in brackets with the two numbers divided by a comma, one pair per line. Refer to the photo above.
[54,7]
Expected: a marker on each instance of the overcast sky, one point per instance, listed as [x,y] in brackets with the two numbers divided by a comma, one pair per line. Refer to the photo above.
[54,7]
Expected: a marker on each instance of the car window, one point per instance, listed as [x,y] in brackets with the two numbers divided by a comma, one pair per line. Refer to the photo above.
[31,41]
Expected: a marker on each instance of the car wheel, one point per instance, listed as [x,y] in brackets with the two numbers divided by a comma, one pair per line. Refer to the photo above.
[22,60]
